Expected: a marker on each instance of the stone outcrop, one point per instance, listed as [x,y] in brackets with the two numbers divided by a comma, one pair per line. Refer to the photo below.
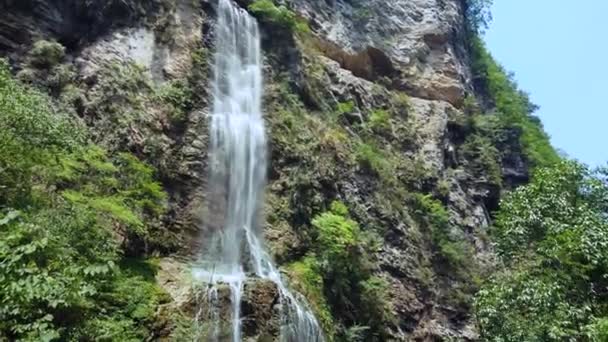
[423,39]
[72,22]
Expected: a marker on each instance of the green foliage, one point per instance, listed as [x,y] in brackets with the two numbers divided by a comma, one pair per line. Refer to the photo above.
[513,107]
[127,306]
[597,330]
[339,208]
[375,302]
[432,210]
[345,107]
[130,112]
[449,247]
[306,277]
[484,158]
[336,277]
[375,160]
[527,306]
[46,54]
[122,191]
[478,14]
[401,101]
[31,133]
[545,213]
[278,15]
[453,254]
[117,94]
[380,121]
[362,15]
[53,265]
[63,201]
[552,236]
[336,235]
[54,80]
[355,333]
[180,96]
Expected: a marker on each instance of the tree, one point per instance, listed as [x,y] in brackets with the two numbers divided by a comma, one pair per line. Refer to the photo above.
[552,236]
[478,14]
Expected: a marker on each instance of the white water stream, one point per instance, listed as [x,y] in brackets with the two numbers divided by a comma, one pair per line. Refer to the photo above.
[235,251]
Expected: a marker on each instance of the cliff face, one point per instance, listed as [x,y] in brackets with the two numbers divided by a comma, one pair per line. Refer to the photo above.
[367,107]
[422,42]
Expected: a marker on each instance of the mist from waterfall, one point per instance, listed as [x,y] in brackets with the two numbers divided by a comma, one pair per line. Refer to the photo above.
[234,251]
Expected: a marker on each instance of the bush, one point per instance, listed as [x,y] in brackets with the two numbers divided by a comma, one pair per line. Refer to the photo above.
[337,236]
[450,248]
[345,107]
[180,96]
[53,266]
[281,16]
[129,304]
[373,159]
[380,121]
[46,54]
[597,330]
[306,277]
[32,132]
[401,102]
[527,306]
[478,15]
[122,191]
[483,157]
[337,279]
[375,301]
[545,209]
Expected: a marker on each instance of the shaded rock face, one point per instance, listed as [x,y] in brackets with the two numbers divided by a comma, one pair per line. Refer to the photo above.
[370,64]
[71,22]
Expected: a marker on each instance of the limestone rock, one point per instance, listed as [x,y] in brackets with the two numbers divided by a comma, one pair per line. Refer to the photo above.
[423,39]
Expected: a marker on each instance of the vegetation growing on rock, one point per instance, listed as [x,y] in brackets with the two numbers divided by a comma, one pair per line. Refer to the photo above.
[278,15]
[337,276]
[64,202]
[512,106]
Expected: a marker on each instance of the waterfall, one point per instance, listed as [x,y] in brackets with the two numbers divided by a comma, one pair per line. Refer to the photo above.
[234,250]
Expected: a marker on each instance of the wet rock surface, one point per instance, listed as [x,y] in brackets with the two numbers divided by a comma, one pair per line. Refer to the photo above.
[261,311]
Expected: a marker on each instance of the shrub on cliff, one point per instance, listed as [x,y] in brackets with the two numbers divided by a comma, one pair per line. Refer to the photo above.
[513,107]
[337,277]
[267,11]
[64,203]
[46,54]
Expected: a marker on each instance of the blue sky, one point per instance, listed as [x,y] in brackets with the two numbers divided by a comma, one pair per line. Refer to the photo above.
[558,50]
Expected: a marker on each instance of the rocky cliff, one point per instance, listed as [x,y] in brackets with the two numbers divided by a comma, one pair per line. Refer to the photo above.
[369,104]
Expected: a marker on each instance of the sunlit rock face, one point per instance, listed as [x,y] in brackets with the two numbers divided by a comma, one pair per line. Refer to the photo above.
[423,40]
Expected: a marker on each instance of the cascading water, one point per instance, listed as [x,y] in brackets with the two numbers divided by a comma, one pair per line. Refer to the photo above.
[237,161]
